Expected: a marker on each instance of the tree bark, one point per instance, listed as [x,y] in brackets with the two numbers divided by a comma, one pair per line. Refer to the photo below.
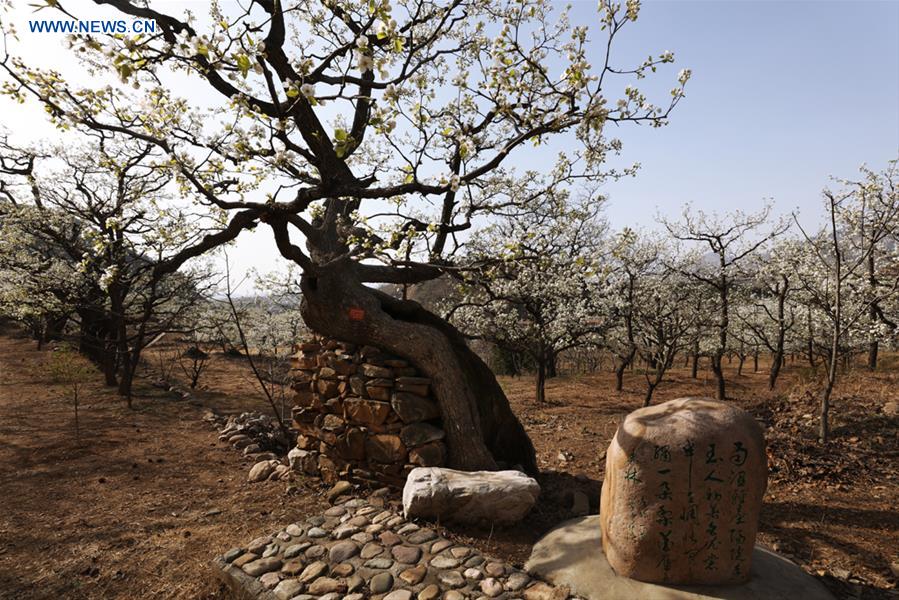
[92,342]
[622,366]
[719,375]
[694,370]
[541,379]
[873,346]
[873,351]
[552,365]
[482,433]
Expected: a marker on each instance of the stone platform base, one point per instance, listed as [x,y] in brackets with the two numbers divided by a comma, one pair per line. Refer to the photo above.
[571,556]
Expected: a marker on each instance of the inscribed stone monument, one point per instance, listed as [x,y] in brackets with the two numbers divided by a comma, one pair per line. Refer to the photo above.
[682,492]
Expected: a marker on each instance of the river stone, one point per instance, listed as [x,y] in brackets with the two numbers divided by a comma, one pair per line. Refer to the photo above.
[494,497]
[407,555]
[354,583]
[517,581]
[343,570]
[444,562]
[431,592]
[245,558]
[683,488]
[262,470]
[270,580]
[381,583]
[399,595]
[475,561]
[325,585]
[408,528]
[293,567]
[414,575]
[491,587]
[288,589]
[451,579]
[314,571]
[379,563]
[389,538]
[262,566]
[344,531]
[363,537]
[230,555]
[342,550]
[371,550]
[421,536]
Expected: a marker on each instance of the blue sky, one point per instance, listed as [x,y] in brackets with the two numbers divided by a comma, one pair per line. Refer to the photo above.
[783,95]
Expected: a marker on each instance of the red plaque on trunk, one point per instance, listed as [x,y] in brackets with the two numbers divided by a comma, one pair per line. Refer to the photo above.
[356,314]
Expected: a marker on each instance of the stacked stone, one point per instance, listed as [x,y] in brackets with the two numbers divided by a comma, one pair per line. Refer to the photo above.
[256,435]
[362,549]
[362,415]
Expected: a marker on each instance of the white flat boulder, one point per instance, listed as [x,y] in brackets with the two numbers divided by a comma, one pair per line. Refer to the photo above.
[486,497]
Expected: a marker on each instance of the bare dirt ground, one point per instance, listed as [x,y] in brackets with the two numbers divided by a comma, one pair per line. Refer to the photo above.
[139,507]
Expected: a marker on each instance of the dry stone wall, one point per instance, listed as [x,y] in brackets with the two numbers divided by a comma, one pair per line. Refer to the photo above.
[362,414]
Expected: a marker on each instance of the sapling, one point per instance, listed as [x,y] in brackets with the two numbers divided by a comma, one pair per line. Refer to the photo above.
[72,370]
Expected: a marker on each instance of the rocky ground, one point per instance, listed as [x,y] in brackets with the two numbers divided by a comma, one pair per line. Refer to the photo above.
[141,502]
[364,548]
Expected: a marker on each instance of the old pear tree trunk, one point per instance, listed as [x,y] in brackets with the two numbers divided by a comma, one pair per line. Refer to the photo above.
[482,431]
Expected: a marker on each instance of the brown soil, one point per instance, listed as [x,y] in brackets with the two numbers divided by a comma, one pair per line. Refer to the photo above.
[126,512]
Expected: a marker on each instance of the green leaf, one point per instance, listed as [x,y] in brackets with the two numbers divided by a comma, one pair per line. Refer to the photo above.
[243,63]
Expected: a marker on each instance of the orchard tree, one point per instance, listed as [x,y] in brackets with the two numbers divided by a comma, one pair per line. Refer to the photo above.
[367,137]
[769,312]
[876,195]
[728,241]
[662,320]
[834,273]
[37,286]
[633,258]
[542,294]
[97,216]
